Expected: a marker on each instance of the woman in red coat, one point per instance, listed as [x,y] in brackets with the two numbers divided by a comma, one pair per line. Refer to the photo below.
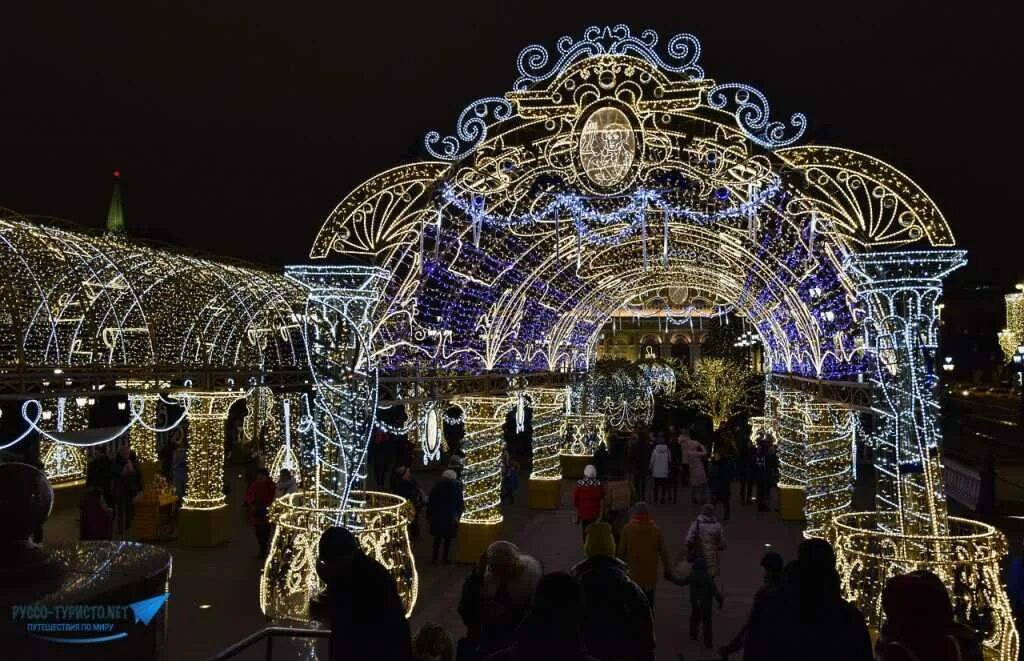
[588,498]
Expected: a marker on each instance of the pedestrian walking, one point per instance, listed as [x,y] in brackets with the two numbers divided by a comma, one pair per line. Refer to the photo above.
[618,498]
[406,487]
[703,592]
[617,621]
[745,470]
[707,537]
[444,509]
[640,459]
[642,547]
[506,591]
[675,469]
[661,458]
[695,455]
[127,485]
[95,520]
[721,469]
[258,497]
[588,499]
[771,563]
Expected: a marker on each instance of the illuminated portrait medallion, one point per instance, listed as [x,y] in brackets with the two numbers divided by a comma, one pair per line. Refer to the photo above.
[607,147]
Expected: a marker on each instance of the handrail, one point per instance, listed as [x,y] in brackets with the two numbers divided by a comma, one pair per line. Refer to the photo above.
[269,633]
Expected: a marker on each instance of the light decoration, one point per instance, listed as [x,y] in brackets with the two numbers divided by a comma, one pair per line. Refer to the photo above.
[289,579]
[901,290]
[582,434]
[660,375]
[967,558]
[483,444]
[829,430]
[619,391]
[548,413]
[63,463]
[718,388]
[431,434]
[106,301]
[285,456]
[614,171]
[1012,336]
[207,414]
[340,415]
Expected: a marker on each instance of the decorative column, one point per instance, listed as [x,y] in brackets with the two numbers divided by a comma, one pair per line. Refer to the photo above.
[900,292]
[484,445]
[911,528]
[203,520]
[785,419]
[543,489]
[336,422]
[828,458]
[141,435]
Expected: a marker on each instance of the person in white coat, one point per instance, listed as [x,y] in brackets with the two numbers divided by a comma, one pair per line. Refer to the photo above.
[661,459]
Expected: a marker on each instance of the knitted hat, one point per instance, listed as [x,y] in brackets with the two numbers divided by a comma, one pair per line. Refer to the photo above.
[449,475]
[590,471]
[599,540]
[503,559]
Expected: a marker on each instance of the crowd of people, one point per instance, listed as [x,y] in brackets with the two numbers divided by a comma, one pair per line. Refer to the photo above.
[598,609]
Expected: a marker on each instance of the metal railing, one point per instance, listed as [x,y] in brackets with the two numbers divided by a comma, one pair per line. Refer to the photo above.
[269,634]
[963,483]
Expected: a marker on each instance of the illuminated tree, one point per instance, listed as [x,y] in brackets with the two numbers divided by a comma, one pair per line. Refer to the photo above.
[717,387]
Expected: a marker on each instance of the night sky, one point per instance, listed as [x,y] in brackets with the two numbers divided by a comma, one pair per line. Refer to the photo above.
[239,125]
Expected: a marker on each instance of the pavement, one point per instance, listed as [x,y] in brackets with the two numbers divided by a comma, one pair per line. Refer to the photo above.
[214,600]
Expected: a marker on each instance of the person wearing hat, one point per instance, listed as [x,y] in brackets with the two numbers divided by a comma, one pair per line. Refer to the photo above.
[361,602]
[771,562]
[405,486]
[641,546]
[506,591]
[552,629]
[444,509]
[588,499]
[617,622]
[706,532]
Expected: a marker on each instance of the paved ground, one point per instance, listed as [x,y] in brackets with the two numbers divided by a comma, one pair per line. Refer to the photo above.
[225,578]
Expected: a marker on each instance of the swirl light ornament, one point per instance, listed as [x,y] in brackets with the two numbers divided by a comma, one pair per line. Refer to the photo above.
[752,114]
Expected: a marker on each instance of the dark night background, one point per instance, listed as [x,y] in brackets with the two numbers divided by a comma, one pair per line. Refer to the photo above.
[239,125]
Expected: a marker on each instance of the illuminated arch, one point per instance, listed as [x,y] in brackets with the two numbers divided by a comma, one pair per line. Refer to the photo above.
[615,168]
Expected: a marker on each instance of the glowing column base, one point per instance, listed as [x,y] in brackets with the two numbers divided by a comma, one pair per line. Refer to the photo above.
[474,538]
[203,527]
[543,494]
[791,502]
[289,578]
[967,561]
[573,465]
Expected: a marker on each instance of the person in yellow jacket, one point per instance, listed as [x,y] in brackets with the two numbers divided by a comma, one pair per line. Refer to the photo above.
[641,546]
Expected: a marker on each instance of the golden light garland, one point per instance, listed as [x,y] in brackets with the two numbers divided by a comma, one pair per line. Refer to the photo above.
[548,406]
[483,444]
[1012,336]
[967,559]
[289,579]
[581,434]
[208,412]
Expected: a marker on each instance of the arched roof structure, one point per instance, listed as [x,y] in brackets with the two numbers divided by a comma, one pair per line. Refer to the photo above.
[74,300]
[613,169]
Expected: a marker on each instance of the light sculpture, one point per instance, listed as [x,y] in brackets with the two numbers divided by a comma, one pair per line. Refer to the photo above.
[1012,336]
[615,168]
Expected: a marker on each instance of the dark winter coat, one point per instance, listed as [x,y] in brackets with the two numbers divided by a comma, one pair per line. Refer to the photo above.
[640,456]
[367,616]
[785,624]
[617,622]
[444,508]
